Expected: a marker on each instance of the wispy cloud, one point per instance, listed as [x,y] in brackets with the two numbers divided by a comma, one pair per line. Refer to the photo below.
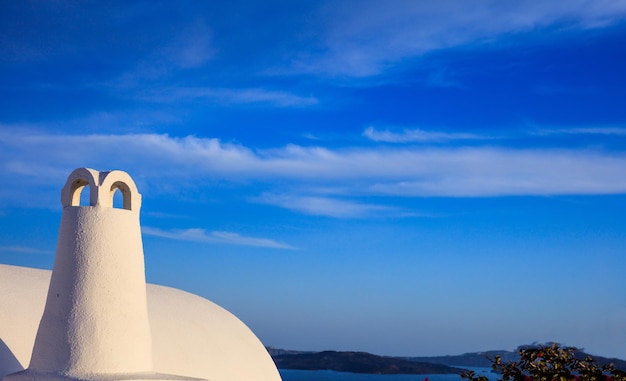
[406,170]
[201,235]
[225,96]
[418,135]
[365,39]
[441,77]
[193,47]
[25,250]
[616,131]
[324,206]
[487,172]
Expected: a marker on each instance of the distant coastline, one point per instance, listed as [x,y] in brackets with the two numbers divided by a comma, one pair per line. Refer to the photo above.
[357,362]
[367,363]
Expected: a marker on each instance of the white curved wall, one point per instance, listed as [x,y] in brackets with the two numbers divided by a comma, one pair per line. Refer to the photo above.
[195,337]
[22,298]
[191,336]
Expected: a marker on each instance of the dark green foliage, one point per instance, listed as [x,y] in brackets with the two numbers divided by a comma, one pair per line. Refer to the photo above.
[550,363]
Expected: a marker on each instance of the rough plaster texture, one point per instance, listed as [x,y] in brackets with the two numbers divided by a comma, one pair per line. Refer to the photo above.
[191,336]
[96,320]
[96,317]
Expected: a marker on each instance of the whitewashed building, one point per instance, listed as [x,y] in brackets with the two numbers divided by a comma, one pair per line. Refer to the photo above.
[93,317]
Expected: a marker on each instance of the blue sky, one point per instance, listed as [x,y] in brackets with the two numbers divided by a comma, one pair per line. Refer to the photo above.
[402,178]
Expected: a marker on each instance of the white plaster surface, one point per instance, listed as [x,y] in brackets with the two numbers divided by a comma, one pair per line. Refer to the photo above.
[97,297]
[191,336]
[93,318]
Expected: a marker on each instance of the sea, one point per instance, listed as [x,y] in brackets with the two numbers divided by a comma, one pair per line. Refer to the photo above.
[330,375]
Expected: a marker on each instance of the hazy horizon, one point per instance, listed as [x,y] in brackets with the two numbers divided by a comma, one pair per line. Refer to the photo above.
[512,350]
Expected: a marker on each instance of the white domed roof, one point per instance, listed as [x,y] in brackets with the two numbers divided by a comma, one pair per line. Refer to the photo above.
[191,336]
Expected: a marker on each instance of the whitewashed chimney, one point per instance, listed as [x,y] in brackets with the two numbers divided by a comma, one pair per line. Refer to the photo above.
[95,323]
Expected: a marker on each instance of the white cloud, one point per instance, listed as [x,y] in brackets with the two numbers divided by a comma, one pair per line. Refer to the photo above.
[417,135]
[363,38]
[200,235]
[441,77]
[487,172]
[24,250]
[42,159]
[323,206]
[226,96]
[192,48]
[617,131]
